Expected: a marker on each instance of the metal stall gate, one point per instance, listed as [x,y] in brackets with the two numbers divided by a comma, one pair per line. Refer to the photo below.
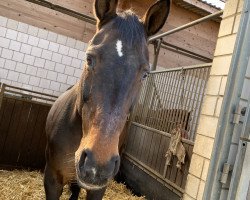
[168,99]
[23,116]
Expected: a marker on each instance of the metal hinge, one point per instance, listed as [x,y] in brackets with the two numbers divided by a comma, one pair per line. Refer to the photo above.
[244,139]
[239,114]
[225,172]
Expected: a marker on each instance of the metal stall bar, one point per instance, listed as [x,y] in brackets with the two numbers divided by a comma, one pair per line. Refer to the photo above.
[208,17]
[184,52]
[180,68]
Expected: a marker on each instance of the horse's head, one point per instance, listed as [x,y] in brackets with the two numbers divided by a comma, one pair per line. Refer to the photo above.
[117,63]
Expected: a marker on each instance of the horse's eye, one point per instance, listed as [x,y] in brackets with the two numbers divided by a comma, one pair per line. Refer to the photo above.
[90,61]
[145,75]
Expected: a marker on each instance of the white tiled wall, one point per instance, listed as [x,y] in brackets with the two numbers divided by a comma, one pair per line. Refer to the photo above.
[38,59]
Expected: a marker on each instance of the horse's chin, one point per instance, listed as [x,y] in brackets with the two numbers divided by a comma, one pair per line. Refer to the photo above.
[88,186]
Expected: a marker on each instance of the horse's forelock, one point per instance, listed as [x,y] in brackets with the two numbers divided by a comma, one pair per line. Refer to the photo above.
[130,28]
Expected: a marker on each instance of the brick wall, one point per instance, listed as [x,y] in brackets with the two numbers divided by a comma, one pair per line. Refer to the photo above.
[213,100]
[38,59]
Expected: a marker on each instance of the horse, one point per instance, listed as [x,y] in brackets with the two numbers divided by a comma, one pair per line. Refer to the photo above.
[84,123]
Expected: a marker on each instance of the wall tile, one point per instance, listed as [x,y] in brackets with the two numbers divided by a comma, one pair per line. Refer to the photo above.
[53,47]
[51,75]
[192,186]
[23,78]
[78,73]
[33,40]
[80,46]
[64,87]
[44,83]
[4,42]
[18,56]
[44,44]
[2,62]
[32,30]
[66,60]
[71,42]
[31,70]
[11,34]
[59,68]
[3,31]
[28,59]
[21,37]
[42,33]
[61,39]
[62,78]
[42,73]
[39,62]
[63,50]
[50,65]
[52,36]
[207,126]
[3,21]
[10,64]
[14,45]
[73,53]
[82,55]
[3,73]
[6,53]
[71,80]
[76,63]
[20,67]
[54,86]
[12,24]
[46,54]
[203,141]
[22,27]
[56,57]
[34,81]
[69,71]
[25,48]
[196,165]
[36,51]
[13,76]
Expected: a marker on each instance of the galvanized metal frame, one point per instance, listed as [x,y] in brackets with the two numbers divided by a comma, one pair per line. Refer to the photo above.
[176,189]
[165,89]
[17,92]
[231,100]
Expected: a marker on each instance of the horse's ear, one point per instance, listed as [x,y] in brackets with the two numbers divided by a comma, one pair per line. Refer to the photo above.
[105,10]
[156,16]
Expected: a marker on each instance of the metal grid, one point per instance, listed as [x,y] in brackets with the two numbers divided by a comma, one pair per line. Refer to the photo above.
[172,97]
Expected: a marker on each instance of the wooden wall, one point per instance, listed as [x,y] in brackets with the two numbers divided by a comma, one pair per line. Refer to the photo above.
[200,39]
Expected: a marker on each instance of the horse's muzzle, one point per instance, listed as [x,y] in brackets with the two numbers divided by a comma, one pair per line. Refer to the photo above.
[94,176]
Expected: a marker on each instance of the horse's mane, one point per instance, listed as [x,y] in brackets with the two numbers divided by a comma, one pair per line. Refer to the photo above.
[130,28]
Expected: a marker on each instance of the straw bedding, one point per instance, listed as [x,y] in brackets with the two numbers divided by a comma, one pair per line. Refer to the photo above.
[23,185]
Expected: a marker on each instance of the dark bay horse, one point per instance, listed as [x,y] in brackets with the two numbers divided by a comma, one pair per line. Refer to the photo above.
[84,124]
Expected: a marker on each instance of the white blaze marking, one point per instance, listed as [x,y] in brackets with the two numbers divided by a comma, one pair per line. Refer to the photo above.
[93,171]
[119,47]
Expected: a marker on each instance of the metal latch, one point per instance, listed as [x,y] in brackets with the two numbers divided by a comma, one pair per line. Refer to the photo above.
[225,172]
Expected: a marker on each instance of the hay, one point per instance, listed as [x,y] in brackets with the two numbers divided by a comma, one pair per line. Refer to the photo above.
[23,185]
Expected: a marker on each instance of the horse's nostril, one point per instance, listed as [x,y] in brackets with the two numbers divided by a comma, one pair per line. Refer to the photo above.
[82,159]
[117,164]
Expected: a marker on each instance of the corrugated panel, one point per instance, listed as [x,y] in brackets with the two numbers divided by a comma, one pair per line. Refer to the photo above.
[196,9]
